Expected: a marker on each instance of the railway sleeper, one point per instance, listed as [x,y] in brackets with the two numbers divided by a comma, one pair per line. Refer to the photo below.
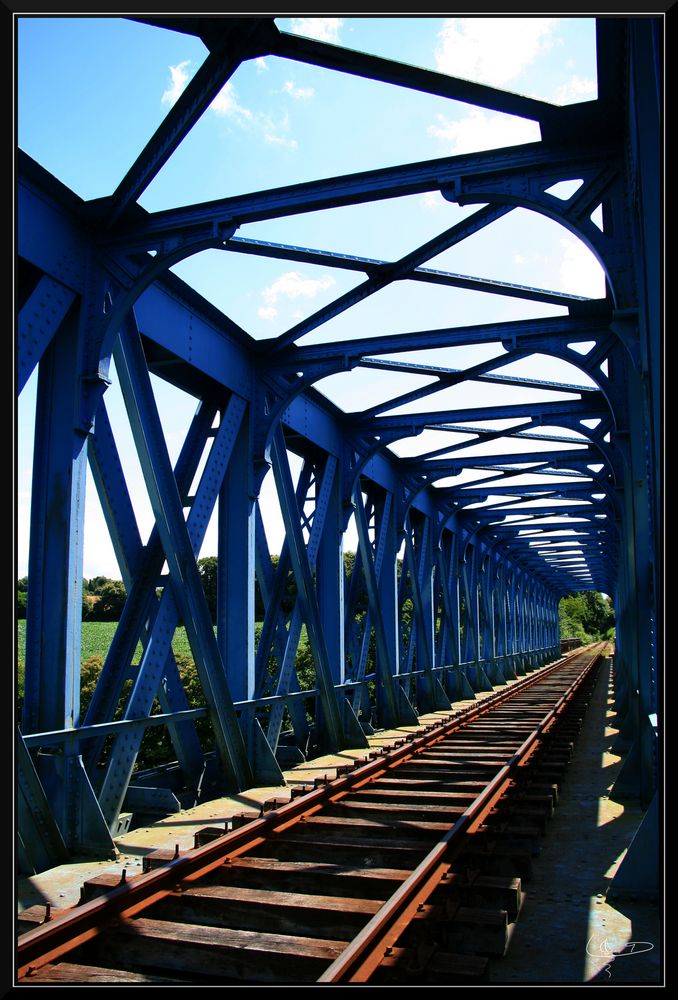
[280,912]
[200,954]
[462,929]
[429,965]
[329,879]
[72,972]
[505,860]
[385,812]
[476,890]
[358,852]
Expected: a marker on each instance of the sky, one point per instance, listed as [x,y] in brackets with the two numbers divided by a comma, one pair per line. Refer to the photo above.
[91,91]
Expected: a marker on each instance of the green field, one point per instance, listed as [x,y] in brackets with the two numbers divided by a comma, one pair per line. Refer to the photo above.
[97,637]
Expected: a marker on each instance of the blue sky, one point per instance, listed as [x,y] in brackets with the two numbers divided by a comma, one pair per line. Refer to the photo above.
[91,91]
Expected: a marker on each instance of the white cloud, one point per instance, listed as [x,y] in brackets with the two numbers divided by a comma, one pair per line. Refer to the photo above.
[433,200]
[324,29]
[226,104]
[261,64]
[291,285]
[275,133]
[280,140]
[518,258]
[179,76]
[482,131]
[576,89]
[492,50]
[297,92]
[579,272]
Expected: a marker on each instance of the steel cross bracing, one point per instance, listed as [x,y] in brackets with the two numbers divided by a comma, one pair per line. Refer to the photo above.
[464,546]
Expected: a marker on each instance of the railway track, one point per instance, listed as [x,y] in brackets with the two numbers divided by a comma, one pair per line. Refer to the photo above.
[406,868]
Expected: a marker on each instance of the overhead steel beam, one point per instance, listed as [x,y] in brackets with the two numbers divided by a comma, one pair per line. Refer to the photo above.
[147,231]
[374,67]
[242,37]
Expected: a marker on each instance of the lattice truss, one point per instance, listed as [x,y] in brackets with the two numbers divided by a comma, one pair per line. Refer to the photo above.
[470,519]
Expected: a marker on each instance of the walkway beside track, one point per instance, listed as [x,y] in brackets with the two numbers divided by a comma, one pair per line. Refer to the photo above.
[564,902]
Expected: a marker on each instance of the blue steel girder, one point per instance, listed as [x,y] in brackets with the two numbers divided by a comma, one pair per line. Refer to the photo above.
[150,230]
[154,661]
[140,566]
[370,265]
[334,735]
[184,577]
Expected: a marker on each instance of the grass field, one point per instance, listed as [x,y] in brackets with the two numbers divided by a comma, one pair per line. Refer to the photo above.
[97,637]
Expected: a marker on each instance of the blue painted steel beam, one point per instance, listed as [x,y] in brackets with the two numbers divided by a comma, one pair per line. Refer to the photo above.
[184,577]
[374,67]
[381,277]
[549,412]
[148,230]
[158,646]
[368,265]
[39,319]
[239,40]
[393,709]
[478,372]
[141,567]
[508,333]
[334,732]
[52,671]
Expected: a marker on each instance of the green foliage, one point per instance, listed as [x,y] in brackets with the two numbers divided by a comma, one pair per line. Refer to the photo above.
[207,568]
[112,597]
[586,615]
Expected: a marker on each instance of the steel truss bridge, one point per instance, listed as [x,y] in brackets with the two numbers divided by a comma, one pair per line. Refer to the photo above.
[482,563]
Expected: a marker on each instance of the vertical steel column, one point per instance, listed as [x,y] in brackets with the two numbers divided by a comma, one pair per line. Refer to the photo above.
[521,624]
[430,693]
[456,681]
[637,776]
[393,708]
[332,737]
[274,633]
[236,566]
[54,607]
[236,571]
[501,602]
[329,570]
[554,641]
[481,681]
[488,623]
[330,576]
[387,600]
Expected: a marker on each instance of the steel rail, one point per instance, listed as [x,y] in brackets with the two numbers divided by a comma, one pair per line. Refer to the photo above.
[52,940]
[364,954]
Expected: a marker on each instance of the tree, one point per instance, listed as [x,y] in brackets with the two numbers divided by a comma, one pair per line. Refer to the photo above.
[112,597]
[207,568]
[586,615]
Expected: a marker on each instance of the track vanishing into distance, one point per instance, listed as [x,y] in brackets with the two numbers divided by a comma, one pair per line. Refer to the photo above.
[405,869]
